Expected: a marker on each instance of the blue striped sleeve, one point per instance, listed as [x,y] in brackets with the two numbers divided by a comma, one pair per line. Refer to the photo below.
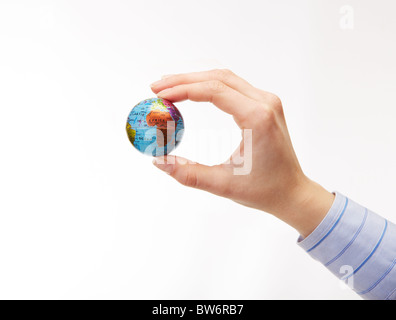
[358,246]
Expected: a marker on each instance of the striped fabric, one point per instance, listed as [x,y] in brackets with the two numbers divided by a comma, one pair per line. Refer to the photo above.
[358,246]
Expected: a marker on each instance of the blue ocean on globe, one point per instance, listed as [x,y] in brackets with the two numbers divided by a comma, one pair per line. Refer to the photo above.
[155,127]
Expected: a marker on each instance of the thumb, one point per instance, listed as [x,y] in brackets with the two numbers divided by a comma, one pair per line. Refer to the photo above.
[215,179]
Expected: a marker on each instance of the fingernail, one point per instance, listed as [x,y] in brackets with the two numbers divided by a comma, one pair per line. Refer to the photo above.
[164,92]
[166,167]
[166,76]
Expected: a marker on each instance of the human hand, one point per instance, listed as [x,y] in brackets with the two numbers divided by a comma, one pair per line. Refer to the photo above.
[275,182]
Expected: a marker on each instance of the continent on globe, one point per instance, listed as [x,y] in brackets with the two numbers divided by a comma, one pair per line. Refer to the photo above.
[155,127]
[164,123]
[131,133]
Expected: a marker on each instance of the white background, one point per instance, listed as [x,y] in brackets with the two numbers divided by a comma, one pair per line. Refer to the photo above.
[84,215]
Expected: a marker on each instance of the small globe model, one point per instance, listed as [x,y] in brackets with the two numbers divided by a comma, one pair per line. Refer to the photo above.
[155,127]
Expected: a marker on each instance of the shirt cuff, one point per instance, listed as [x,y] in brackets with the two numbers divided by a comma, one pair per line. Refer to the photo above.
[357,246]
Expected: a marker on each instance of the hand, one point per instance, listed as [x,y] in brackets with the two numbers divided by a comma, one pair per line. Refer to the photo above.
[275,184]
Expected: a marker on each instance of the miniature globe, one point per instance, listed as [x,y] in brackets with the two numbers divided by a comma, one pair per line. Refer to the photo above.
[155,127]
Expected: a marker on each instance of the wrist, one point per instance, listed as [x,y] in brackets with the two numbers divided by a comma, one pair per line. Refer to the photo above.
[308,205]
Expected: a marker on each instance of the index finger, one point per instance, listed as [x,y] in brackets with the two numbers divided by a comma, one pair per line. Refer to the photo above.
[226,76]
[222,96]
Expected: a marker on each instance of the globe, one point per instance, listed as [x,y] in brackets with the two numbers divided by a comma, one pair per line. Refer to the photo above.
[155,127]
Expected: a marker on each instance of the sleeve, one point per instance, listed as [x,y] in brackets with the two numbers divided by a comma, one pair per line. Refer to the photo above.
[358,246]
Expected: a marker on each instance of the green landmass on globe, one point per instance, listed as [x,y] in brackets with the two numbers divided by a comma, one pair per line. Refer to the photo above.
[131,133]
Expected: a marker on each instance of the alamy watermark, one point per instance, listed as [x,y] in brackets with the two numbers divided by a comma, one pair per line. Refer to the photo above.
[241,160]
[347,280]
[347,20]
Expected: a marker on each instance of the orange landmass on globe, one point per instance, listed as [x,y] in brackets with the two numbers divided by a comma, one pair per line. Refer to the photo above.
[164,123]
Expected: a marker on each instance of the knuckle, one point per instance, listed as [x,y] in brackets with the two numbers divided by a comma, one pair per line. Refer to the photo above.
[221,74]
[216,86]
[272,101]
[275,103]
[190,179]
